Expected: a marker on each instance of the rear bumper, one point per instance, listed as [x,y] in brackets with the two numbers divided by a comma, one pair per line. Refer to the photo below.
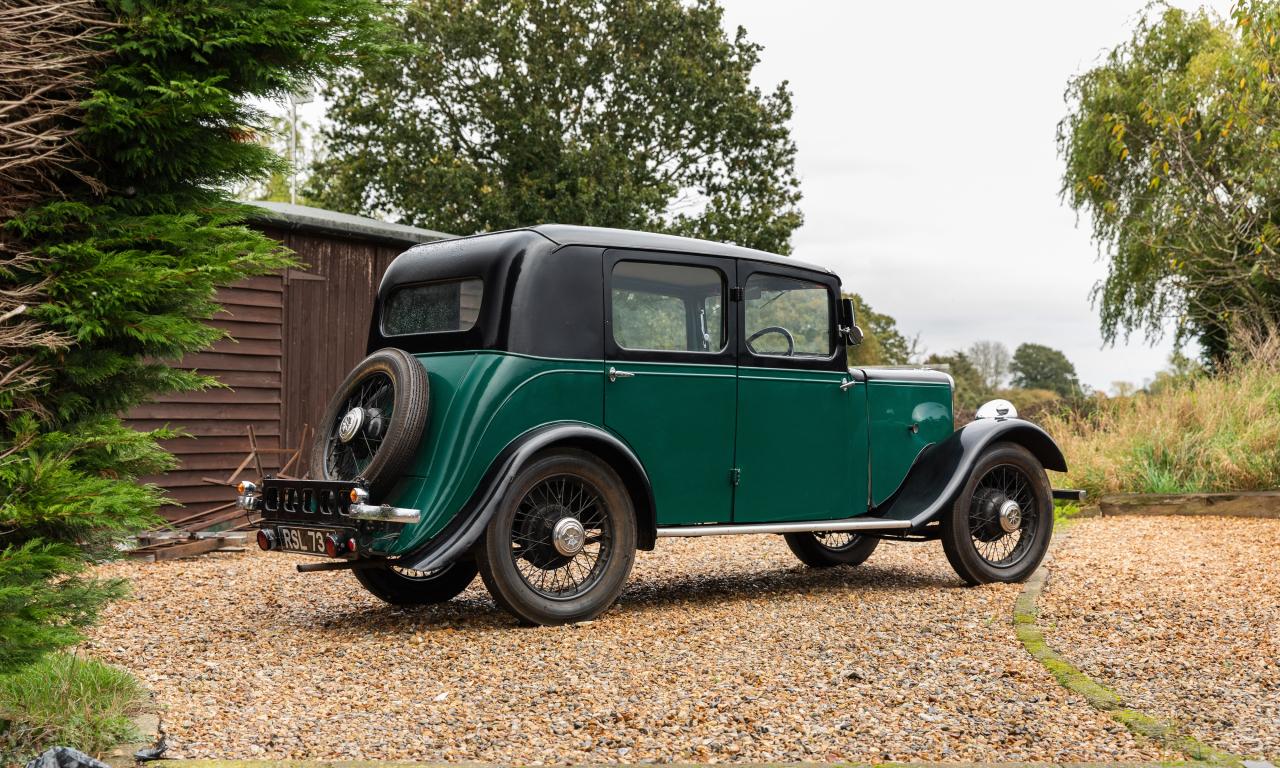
[320,502]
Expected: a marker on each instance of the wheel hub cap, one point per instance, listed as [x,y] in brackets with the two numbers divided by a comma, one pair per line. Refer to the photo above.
[1010,516]
[350,425]
[568,536]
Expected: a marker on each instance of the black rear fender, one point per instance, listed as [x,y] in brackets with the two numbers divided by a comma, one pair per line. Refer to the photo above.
[468,525]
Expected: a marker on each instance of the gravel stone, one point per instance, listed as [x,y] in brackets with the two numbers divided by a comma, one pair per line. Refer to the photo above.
[720,650]
[1178,615]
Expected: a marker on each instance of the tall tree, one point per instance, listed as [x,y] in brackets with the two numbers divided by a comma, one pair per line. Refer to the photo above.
[970,389]
[117,251]
[1036,366]
[515,112]
[1170,148]
[882,342]
[991,358]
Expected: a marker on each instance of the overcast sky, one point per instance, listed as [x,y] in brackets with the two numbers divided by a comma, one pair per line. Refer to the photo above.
[929,167]
[928,163]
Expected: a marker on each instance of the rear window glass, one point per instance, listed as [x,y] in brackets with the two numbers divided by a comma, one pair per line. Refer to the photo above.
[442,307]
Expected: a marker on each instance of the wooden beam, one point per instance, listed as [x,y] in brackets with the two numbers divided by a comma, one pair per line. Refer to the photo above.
[1258,504]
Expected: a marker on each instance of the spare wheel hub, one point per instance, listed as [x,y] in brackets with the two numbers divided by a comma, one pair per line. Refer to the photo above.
[350,425]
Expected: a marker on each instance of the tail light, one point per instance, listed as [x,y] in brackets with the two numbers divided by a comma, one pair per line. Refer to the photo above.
[266,539]
[335,546]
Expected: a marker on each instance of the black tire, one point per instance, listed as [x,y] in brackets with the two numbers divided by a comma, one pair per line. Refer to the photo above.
[824,550]
[399,587]
[389,388]
[518,561]
[979,547]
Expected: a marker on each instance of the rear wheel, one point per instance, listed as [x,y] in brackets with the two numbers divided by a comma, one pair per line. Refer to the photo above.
[1000,525]
[401,586]
[823,549]
[562,542]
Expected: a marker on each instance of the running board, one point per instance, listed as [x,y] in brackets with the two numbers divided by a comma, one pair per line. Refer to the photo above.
[856,524]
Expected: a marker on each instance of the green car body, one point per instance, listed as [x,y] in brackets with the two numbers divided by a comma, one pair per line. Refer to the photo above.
[702,388]
[483,401]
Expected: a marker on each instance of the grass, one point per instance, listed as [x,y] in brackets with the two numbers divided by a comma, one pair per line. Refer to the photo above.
[63,700]
[1194,434]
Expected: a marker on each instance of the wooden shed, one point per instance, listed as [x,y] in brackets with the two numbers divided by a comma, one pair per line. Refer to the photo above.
[295,336]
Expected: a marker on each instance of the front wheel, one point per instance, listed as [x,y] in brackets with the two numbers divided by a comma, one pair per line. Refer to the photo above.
[1000,525]
[562,542]
[401,586]
[824,549]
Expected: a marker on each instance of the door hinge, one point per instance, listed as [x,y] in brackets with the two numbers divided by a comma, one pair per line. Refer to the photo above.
[735,476]
[736,293]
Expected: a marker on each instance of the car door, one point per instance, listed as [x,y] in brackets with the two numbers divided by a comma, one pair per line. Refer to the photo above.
[802,439]
[670,377]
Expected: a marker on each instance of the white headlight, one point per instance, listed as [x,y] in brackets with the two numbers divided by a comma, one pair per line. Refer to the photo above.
[997,409]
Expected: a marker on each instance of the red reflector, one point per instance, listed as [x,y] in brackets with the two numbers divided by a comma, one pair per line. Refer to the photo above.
[351,545]
[265,540]
[333,546]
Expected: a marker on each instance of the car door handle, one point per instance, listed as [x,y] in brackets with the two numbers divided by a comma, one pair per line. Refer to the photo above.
[847,383]
[615,374]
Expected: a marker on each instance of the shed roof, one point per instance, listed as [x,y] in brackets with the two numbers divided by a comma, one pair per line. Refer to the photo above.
[321,221]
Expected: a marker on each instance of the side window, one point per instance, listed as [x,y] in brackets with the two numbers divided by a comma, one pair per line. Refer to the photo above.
[668,307]
[786,317]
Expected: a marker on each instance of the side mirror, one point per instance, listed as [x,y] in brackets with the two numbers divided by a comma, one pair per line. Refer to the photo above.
[851,332]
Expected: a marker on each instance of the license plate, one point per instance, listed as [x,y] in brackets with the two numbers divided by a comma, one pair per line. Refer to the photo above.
[308,540]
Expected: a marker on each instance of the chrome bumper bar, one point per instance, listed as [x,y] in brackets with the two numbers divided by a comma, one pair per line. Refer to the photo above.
[385,513]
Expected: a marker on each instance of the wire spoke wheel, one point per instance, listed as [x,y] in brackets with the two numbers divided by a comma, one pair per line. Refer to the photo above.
[356,433]
[413,575]
[1004,516]
[561,537]
[836,540]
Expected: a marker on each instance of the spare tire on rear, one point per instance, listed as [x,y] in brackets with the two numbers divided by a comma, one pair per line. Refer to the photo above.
[374,422]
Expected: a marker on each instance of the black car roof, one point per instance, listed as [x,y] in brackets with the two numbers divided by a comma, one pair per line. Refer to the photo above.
[569,234]
[607,237]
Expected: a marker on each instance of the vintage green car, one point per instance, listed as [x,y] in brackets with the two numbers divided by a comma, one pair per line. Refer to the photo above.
[540,403]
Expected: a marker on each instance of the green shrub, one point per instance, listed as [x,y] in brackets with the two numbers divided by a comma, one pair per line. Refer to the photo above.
[1194,434]
[63,700]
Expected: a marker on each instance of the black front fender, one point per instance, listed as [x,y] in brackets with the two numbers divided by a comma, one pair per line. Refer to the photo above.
[469,523]
[942,469]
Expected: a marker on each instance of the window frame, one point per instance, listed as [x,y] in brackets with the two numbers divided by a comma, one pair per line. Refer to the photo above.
[836,361]
[725,267]
[382,309]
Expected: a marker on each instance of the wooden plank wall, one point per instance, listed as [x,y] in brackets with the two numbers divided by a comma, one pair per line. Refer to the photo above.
[296,336]
[250,365]
[327,314]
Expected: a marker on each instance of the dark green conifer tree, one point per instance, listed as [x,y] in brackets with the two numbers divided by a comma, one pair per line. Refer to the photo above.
[117,252]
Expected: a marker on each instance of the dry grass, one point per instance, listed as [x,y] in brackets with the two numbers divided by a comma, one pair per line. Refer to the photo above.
[1200,433]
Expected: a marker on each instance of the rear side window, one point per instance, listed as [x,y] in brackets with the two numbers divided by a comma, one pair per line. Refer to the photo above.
[451,305]
[668,307]
[787,317]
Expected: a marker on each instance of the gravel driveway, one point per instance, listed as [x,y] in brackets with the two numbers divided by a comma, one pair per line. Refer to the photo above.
[1181,617]
[720,650]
